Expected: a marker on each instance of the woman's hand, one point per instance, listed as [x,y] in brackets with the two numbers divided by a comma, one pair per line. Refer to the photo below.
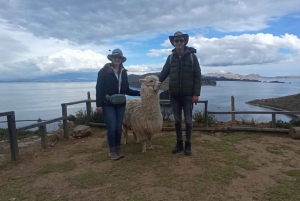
[99,110]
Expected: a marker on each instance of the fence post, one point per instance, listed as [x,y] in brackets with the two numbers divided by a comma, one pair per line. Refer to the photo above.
[88,108]
[232,108]
[65,121]
[273,120]
[14,149]
[43,134]
[205,114]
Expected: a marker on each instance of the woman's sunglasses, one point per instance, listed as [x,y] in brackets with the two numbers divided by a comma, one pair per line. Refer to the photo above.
[178,40]
[117,57]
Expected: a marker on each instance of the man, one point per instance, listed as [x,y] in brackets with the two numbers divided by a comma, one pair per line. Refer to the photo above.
[184,86]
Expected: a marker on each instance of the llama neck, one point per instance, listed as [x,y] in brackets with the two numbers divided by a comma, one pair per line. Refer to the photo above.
[150,101]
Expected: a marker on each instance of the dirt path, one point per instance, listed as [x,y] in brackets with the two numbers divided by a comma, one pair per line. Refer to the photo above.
[238,166]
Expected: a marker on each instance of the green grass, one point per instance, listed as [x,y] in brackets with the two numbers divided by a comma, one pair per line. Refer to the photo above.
[224,151]
[219,174]
[16,188]
[21,134]
[236,137]
[87,179]
[286,190]
[56,167]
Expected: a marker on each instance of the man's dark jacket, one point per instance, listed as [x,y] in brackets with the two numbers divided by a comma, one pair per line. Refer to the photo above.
[185,79]
[107,84]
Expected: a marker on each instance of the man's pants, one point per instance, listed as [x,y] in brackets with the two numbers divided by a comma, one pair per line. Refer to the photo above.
[178,103]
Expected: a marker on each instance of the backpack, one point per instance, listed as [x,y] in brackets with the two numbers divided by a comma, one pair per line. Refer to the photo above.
[191,58]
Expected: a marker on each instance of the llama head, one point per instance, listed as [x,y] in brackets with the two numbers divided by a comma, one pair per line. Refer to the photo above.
[150,83]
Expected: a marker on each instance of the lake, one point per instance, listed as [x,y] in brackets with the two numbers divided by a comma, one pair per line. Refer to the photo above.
[33,100]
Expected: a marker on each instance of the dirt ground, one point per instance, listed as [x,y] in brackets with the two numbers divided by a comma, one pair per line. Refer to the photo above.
[223,166]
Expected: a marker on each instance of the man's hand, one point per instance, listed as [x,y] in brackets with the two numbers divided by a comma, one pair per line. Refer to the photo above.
[195,99]
[99,110]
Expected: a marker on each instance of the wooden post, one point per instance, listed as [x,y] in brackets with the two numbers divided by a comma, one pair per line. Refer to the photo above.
[232,108]
[43,134]
[14,149]
[88,108]
[65,121]
[205,114]
[273,120]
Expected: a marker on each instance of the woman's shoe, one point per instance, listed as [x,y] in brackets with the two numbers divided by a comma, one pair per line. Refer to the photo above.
[119,152]
[113,154]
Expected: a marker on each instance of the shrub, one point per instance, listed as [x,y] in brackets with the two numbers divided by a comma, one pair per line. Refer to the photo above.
[21,134]
[81,117]
[199,117]
[287,125]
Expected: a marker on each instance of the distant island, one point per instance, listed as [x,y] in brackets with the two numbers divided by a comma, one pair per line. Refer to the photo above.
[290,103]
[208,79]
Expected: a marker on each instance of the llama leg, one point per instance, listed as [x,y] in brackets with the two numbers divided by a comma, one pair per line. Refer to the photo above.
[135,137]
[150,143]
[144,146]
[125,134]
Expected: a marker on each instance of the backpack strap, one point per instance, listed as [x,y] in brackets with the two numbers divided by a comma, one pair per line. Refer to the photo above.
[170,59]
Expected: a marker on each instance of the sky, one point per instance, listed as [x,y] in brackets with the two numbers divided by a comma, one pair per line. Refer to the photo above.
[47,37]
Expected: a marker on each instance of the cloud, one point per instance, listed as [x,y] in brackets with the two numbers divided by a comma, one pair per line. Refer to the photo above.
[18,45]
[144,68]
[100,21]
[246,49]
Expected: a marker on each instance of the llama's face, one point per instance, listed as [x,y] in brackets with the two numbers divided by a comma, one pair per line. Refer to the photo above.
[152,82]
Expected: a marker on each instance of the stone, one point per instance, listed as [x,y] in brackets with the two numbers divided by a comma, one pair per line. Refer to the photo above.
[53,137]
[82,131]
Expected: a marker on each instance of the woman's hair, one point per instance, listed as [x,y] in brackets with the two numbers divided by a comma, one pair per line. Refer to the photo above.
[121,65]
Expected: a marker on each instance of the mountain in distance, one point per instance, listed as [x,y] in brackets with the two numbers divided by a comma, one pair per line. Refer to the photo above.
[245,77]
[92,76]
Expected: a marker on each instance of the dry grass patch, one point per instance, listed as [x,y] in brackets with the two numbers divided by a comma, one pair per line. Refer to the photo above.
[84,149]
[287,189]
[222,167]
[17,189]
[56,167]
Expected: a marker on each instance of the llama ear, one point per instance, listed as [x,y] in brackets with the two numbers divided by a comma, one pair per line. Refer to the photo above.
[142,80]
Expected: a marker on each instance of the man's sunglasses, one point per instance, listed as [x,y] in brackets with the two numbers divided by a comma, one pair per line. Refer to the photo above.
[117,57]
[178,40]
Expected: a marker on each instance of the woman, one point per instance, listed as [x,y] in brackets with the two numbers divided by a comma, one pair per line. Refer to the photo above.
[112,85]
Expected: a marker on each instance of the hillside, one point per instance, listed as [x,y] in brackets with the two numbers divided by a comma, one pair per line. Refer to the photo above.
[249,76]
[134,81]
[290,103]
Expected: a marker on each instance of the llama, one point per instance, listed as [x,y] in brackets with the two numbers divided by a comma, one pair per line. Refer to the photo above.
[143,116]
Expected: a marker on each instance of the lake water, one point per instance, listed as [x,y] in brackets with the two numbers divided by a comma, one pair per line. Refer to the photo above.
[33,100]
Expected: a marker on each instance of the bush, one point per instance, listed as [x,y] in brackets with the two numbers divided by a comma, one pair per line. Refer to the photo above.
[21,134]
[287,125]
[199,117]
[81,117]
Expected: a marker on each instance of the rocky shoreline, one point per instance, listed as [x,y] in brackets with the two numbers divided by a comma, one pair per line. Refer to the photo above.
[284,103]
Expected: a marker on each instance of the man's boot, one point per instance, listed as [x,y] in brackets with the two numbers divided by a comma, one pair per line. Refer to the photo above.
[187,148]
[113,154]
[178,148]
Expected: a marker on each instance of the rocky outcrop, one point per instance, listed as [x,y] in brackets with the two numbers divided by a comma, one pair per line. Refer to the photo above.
[82,131]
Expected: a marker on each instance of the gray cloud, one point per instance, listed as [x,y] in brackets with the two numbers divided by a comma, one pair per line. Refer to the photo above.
[105,20]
